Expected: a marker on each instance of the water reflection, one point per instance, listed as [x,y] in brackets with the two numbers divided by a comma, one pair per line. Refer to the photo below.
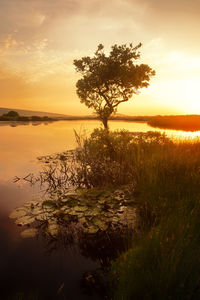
[22,144]
[26,270]
[21,123]
[98,222]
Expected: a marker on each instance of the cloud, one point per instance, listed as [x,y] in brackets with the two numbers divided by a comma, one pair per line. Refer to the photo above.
[170,6]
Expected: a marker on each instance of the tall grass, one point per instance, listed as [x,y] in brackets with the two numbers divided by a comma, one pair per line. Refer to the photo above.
[105,159]
[159,170]
[164,263]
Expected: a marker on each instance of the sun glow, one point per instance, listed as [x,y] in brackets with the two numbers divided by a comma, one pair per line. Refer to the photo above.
[187,93]
[36,61]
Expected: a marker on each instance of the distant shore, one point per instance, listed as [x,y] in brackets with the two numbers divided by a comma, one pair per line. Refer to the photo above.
[184,122]
[174,122]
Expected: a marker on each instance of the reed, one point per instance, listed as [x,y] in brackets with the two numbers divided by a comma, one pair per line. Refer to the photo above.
[163,262]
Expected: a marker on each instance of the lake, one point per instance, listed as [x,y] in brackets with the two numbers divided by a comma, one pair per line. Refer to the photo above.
[27,267]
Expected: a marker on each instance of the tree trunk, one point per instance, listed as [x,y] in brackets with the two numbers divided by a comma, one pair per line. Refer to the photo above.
[105,123]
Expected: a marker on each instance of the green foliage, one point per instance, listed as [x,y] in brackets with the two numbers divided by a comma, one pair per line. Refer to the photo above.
[110,80]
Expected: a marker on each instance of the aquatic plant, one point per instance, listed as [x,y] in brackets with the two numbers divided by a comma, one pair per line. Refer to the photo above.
[92,211]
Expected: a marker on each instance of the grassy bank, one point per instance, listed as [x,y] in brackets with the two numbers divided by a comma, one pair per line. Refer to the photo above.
[163,262]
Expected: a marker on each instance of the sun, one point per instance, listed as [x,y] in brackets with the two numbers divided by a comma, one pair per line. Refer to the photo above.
[190,93]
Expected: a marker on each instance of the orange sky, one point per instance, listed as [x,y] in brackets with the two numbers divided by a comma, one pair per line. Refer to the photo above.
[39,40]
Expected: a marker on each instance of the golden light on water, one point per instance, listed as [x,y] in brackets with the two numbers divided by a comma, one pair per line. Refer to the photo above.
[14,141]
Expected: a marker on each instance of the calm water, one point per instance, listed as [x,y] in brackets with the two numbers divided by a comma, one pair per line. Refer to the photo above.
[26,269]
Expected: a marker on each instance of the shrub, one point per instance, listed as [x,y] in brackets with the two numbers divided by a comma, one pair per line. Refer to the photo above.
[113,158]
[101,158]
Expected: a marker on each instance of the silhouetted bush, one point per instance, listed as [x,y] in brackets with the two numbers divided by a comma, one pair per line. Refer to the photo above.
[111,158]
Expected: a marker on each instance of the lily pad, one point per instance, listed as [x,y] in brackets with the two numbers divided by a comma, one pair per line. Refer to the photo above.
[103,226]
[83,208]
[31,204]
[26,220]
[65,208]
[53,229]
[37,211]
[64,200]
[66,218]
[116,206]
[102,200]
[43,216]
[17,213]
[48,203]
[72,203]
[58,213]
[91,229]
[72,212]
[93,212]
[29,233]
[115,219]
[96,221]
[82,220]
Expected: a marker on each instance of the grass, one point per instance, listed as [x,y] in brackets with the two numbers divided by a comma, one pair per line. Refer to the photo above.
[163,262]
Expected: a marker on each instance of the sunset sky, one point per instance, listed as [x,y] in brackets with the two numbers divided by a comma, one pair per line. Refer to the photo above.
[39,39]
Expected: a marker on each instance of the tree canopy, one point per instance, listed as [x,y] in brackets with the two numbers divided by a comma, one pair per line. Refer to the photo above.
[12,113]
[108,80]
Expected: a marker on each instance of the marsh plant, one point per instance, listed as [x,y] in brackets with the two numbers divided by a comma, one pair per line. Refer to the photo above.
[88,190]
[163,263]
[93,186]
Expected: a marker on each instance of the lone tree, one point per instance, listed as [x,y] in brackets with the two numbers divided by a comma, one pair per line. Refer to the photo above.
[110,80]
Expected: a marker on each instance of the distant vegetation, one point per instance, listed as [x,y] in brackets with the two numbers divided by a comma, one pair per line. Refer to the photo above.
[185,122]
[14,116]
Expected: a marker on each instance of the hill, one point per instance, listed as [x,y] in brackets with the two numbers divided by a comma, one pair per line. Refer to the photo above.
[28,113]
